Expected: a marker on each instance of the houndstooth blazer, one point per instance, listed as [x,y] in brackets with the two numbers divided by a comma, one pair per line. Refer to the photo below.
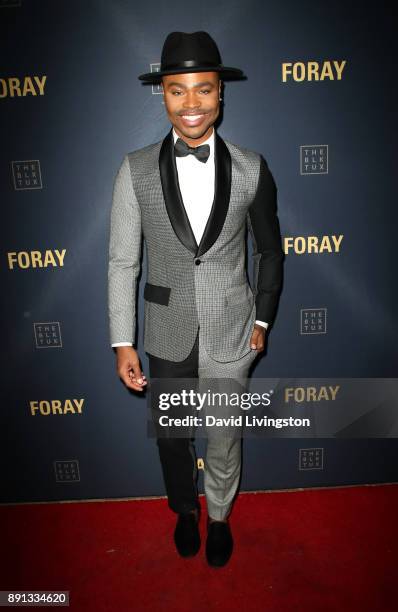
[189,285]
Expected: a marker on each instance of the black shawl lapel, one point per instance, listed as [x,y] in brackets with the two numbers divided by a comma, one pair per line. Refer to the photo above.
[172,195]
[173,199]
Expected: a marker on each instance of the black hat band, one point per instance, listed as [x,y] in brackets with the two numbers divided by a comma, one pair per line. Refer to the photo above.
[189,64]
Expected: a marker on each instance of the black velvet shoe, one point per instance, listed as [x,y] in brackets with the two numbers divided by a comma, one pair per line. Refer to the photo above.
[219,543]
[186,534]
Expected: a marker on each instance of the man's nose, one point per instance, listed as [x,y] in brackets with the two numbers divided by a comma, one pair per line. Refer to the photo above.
[191,100]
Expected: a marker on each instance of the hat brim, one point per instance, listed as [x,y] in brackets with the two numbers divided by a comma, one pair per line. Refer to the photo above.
[226,73]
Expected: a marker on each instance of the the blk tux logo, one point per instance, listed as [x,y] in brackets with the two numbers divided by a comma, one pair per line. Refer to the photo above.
[27,174]
[314,159]
[311,458]
[48,335]
[157,88]
[313,321]
[67,471]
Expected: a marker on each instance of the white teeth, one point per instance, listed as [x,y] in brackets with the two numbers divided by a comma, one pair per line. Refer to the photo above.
[191,117]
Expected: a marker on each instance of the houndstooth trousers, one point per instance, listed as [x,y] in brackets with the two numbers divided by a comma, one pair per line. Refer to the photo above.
[222,463]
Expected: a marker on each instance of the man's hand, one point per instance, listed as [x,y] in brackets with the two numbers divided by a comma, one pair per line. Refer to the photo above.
[257,340]
[129,369]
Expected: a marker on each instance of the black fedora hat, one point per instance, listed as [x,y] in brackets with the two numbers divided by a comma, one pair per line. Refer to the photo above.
[190,52]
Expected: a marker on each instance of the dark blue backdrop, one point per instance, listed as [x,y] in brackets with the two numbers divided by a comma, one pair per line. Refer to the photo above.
[71,107]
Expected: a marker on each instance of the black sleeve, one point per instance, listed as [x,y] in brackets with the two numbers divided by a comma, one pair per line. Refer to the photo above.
[268,254]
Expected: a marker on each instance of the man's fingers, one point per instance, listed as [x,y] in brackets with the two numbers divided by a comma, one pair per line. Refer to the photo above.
[132,385]
[137,373]
[133,377]
[257,340]
[129,369]
[135,380]
[254,339]
[137,377]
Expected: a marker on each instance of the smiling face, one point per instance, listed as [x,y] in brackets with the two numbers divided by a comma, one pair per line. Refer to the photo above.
[192,104]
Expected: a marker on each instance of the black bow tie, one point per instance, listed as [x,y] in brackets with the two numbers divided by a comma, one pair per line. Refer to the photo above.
[201,152]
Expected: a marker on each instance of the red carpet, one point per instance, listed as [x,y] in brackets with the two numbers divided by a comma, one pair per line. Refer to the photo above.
[323,550]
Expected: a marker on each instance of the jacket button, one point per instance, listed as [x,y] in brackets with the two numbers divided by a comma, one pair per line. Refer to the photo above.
[197,262]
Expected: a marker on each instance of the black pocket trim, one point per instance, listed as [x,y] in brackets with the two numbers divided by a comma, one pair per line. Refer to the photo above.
[157,294]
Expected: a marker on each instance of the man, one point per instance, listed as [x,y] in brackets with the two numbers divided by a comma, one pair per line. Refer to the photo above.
[191,196]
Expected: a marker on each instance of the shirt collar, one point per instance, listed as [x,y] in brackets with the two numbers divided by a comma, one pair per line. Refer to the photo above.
[209,141]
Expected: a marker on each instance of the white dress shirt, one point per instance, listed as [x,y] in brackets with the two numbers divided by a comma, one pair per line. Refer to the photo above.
[196,181]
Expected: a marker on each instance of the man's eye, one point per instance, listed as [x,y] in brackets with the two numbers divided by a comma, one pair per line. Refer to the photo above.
[201,91]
